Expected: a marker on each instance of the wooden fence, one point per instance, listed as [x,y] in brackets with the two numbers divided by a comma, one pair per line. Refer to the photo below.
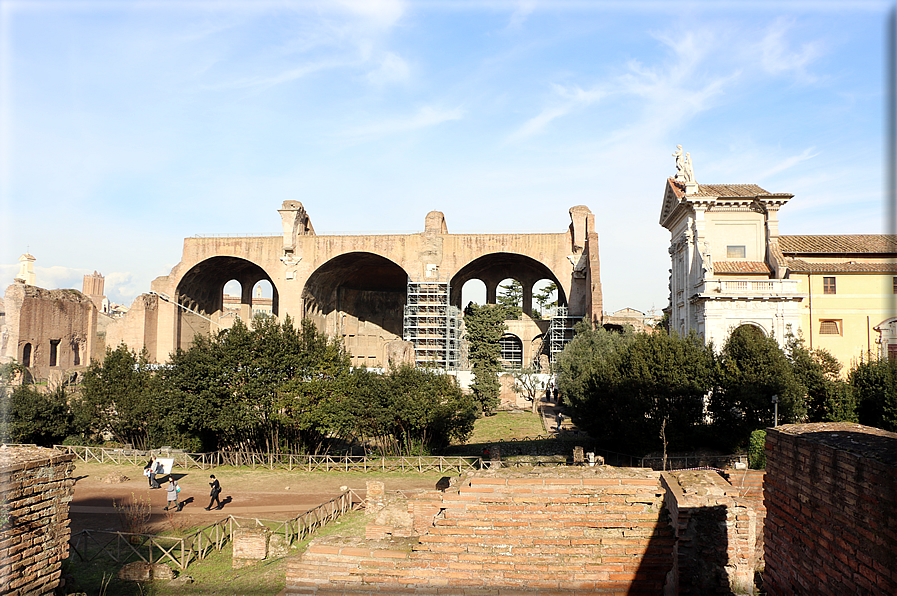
[125,547]
[272,461]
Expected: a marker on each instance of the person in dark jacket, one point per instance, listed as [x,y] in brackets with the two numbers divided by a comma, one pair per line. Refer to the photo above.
[216,490]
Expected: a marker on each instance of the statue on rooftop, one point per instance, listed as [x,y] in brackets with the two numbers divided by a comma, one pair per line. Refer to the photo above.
[680,163]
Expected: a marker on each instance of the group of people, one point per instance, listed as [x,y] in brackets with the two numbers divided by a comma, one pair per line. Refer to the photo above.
[154,468]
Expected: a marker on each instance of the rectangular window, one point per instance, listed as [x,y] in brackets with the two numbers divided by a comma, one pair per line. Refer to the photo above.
[830,327]
[895,285]
[828,285]
[735,252]
[54,351]
[892,352]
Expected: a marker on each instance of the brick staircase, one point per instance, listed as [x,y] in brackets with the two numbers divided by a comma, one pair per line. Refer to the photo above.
[583,532]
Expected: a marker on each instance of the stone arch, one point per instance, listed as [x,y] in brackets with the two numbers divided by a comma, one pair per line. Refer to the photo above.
[200,295]
[202,287]
[26,355]
[492,268]
[360,297]
[752,325]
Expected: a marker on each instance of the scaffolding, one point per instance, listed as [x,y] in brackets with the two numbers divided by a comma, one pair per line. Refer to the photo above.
[560,331]
[432,325]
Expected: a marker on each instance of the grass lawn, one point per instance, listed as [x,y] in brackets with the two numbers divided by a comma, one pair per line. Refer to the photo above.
[506,426]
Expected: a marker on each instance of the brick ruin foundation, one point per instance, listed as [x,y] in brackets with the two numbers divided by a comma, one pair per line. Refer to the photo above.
[580,530]
[36,487]
[831,496]
[822,519]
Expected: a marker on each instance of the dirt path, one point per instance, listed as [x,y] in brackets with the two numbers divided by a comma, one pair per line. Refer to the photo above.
[258,493]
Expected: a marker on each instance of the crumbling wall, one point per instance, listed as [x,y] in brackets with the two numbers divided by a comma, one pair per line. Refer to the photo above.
[136,329]
[572,531]
[36,487]
[831,500]
[716,533]
[58,326]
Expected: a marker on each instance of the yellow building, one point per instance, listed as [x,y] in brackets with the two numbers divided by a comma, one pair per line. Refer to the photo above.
[849,284]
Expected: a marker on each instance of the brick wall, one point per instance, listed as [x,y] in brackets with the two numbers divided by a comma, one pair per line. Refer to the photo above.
[36,487]
[576,531]
[716,549]
[831,500]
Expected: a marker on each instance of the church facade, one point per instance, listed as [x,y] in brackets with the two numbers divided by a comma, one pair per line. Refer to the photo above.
[730,266]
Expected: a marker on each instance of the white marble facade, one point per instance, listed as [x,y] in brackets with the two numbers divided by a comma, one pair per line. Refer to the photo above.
[726,267]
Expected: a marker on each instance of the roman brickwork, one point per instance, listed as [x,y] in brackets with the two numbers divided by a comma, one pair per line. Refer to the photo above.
[355,287]
[595,530]
[48,330]
[831,523]
[36,487]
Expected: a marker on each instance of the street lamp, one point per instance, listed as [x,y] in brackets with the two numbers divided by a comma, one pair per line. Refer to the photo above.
[775,401]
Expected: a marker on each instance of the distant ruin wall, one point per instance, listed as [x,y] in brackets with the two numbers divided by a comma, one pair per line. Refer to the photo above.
[36,487]
[831,500]
[51,329]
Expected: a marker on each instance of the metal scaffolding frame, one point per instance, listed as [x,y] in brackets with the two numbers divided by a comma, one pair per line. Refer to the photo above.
[432,325]
[560,331]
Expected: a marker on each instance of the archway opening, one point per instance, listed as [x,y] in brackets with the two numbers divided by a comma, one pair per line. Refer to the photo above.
[359,297]
[200,296]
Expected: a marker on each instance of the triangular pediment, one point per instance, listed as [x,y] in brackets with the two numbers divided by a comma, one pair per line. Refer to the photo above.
[672,198]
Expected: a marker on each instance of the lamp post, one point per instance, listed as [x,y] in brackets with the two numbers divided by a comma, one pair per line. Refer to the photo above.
[775,403]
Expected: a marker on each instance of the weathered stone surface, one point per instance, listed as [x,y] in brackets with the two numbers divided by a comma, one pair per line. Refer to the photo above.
[140,571]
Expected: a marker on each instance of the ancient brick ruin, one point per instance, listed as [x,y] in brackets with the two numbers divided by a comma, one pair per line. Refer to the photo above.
[582,530]
[831,496]
[36,487]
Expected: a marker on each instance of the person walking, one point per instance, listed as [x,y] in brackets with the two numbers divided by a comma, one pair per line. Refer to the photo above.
[173,490]
[216,490]
[155,468]
[148,470]
[559,419]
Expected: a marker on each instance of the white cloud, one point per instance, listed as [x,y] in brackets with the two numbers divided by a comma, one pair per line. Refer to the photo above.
[808,153]
[571,98]
[778,58]
[522,10]
[381,13]
[424,117]
[392,69]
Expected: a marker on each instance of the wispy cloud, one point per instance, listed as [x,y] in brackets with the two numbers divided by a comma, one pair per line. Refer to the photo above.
[564,101]
[522,10]
[424,117]
[391,69]
[808,153]
[777,57]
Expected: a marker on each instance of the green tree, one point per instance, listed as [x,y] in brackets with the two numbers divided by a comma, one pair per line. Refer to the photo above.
[544,299]
[119,397]
[485,326]
[511,298]
[527,384]
[874,383]
[644,392]
[592,354]
[752,369]
[36,417]
[829,398]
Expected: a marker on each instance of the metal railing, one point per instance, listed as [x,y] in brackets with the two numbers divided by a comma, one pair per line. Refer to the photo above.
[272,461]
[126,547]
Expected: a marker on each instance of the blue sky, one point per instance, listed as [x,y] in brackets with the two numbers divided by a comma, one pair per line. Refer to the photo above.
[127,126]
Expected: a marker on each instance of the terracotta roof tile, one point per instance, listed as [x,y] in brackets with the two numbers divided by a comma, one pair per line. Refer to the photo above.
[838,244]
[741,267]
[799,266]
[729,190]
